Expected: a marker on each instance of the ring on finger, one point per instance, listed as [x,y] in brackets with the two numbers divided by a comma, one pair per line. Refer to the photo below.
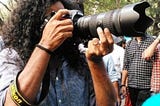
[97,43]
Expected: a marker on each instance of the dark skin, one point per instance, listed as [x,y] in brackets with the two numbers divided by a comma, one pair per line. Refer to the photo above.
[54,34]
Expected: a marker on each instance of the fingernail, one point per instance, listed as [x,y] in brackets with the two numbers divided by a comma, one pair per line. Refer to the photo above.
[99,28]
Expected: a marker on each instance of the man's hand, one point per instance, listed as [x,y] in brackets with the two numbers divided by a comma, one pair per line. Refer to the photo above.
[123,91]
[97,48]
[56,31]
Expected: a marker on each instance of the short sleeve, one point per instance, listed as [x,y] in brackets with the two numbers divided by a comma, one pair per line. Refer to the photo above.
[109,65]
[10,64]
[1,43]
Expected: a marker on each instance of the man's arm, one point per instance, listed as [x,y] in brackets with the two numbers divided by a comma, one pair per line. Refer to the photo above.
[123,82]
[104,91]
[113,74]
[149,52]
[29,80]
[116,87]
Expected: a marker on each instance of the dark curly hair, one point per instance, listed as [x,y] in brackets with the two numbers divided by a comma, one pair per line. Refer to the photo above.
[21,31]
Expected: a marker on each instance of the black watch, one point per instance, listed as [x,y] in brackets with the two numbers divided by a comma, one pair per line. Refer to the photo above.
[122,86]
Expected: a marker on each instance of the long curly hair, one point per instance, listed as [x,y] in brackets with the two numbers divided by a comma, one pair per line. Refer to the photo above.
[21,31]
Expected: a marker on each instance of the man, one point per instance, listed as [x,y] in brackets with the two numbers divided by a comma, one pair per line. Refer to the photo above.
[118,56]
[113,75]
[137,69]
[153,52]
[55,73]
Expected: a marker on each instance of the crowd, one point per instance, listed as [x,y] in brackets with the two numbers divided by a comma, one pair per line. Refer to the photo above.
[44,67]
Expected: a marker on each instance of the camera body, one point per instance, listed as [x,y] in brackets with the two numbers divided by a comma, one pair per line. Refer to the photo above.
[130,20]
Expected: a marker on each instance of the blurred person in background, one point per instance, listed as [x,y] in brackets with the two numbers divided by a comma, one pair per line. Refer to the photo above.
[153,53]
[113,75]
[137,70]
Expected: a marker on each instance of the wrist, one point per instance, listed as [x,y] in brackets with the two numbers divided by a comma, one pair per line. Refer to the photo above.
[122,85]
[95,59]
[16,96]
[44,49]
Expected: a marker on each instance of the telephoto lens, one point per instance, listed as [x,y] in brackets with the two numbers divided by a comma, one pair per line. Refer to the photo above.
[130,20]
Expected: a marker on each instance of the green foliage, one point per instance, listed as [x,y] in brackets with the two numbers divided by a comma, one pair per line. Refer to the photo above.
[98,6]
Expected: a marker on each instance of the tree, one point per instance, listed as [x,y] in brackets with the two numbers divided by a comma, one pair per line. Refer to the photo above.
[155,14]
[98,6]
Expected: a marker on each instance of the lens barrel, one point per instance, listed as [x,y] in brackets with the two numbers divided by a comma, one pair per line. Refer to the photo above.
[131,20]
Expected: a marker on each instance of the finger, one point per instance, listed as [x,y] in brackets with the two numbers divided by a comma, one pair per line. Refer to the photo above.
[66,28]
[109,39]
[65,22]
[108,36]
[67,34]
[63,34]
[103,41]
[60,14]
[95,41]
[101,35]
[92,44]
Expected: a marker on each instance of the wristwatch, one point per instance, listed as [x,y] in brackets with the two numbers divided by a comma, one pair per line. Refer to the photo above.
[122,86]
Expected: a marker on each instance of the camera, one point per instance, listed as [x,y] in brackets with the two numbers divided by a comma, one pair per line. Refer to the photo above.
[130,20]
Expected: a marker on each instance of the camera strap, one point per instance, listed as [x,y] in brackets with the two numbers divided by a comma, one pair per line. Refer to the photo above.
[54,63]
[45,86]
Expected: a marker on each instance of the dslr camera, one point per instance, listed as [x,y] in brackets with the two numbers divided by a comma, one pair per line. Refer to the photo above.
[130,20]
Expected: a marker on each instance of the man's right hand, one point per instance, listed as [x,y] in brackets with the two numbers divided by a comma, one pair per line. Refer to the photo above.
[57,30]
[124,90]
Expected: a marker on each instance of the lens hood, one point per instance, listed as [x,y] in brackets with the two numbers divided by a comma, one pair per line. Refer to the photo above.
[133,20]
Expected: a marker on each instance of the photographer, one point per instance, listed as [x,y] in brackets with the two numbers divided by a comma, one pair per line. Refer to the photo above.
[48,70]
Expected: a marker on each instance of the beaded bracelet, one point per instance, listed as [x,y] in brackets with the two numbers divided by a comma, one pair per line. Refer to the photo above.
[16,96]
[45,49]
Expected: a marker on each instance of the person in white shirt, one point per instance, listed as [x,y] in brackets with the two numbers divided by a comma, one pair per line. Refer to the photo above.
[118,55]
[114,63]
